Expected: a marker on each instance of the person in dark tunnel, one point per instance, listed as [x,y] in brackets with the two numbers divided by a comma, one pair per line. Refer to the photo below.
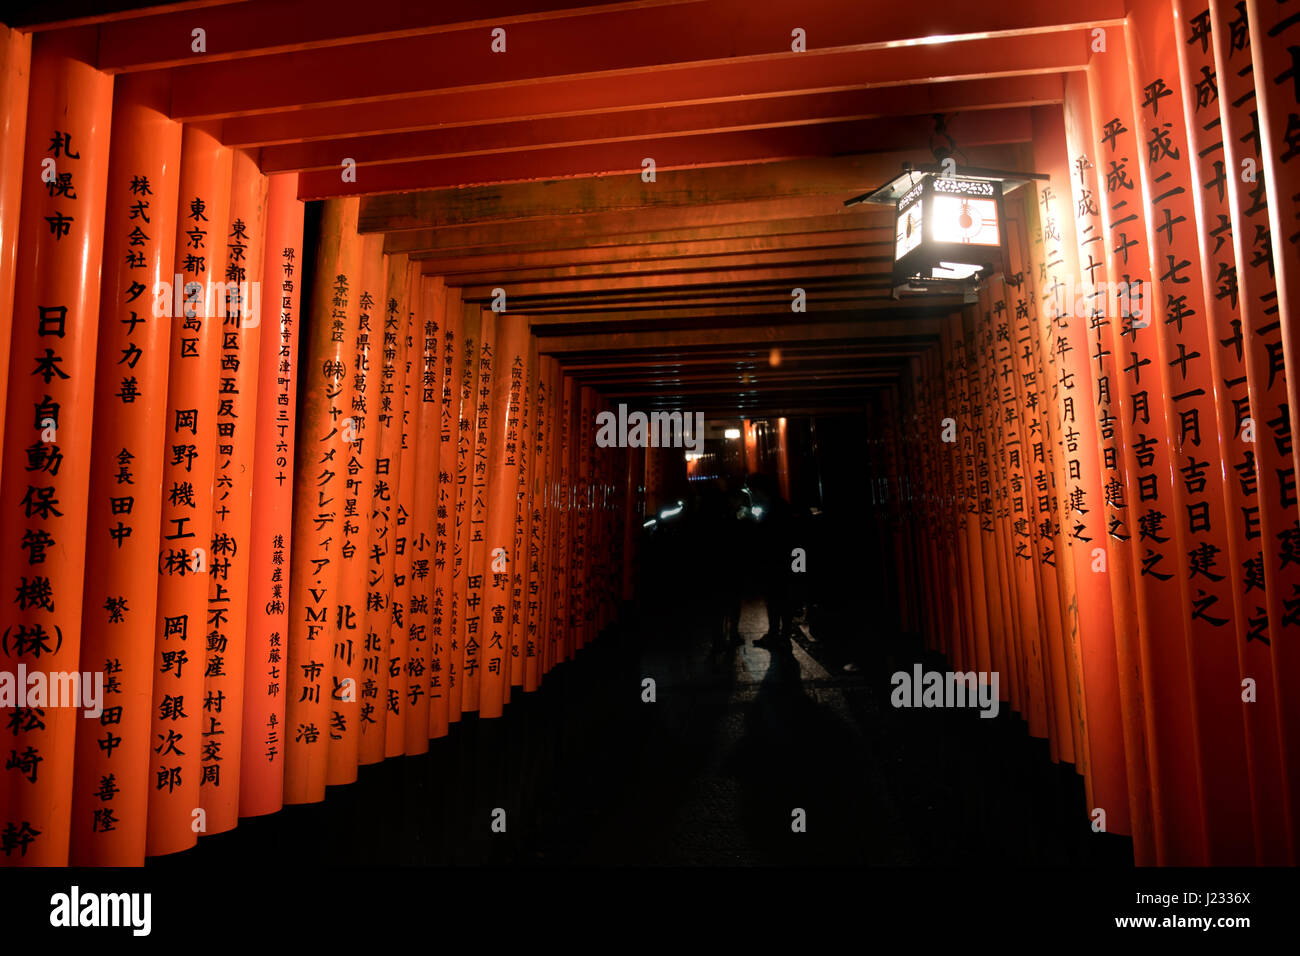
[724,552]
[773,523]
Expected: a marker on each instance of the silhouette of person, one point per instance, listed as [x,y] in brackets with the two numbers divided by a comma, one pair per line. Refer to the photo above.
[723,547]
[774,524]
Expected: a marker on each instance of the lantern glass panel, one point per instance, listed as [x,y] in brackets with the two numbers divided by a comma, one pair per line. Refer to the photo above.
[959,219]
[910,230]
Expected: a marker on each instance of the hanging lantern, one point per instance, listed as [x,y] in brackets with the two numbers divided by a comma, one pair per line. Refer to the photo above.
[948,235]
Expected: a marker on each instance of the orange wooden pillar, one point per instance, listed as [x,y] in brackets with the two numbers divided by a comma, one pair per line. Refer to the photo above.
[15,71]
[523,416]
[1068,396]
[971,482]
[479,680]
[1030,640]
[45,473]
[319,486]
[1270,576]
[1225,341]
[270,536]
[229,569]
[463,402]
[501,394]
[360,667]
[560,440]
[379,386]
[426,405]
[538,533]
[1198,437]
[1036,367]
[409,382]
[584,517]
[1145,454]
[185,558]
[108,821]
[1111,668]
[1274,38]
[354,693]
[443,664]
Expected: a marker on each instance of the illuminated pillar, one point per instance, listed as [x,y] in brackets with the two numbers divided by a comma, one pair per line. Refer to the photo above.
[427,402]
[1273,574]
[1274,40]
[1198,438]
[444,665]
[525,426]
[112,763]
[319,487]
[502,403]
[355,697]
[477,615]
[463,409]
[47,435]
[228,572]
[1112,669]
[185,558]
[270,536]
[15,70]
[398,657]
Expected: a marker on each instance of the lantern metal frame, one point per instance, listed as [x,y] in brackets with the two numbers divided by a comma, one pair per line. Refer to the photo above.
[932,263]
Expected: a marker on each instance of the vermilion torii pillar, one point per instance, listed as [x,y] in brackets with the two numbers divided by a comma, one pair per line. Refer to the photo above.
[463,405]
[408,383]
[1199,436]
[477,616]
[444,665]
[319,479]
[1111,668]
[184,556]
[368,666]
[261,777]
[355,665]
[506,386]
[1145,454]
[45,470]
[1274,39]
[15,70]
[1263,585]
[426,408]
[125,507]
[237,409]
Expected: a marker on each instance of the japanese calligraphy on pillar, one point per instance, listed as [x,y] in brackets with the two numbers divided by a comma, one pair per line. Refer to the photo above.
[45,471]
[190,446]
[261,781]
